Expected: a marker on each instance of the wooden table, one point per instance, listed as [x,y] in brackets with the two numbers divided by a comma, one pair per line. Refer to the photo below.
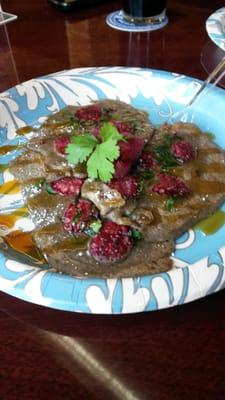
[169,354]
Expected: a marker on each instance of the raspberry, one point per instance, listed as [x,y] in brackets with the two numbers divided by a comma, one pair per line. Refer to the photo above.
[146,161]
[61,143]
[89,113]
[67,186]
[128,186]
[122,168]
[123,127]
[77,217]
[87,207]
[183,150]
[131,148]
[170,185]
[112,243]
[68,217]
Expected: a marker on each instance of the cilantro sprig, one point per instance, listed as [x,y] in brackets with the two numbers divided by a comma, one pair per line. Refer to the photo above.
[99,154]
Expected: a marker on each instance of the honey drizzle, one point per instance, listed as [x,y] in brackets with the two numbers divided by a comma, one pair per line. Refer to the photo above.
[4,150]
[213,223]
[22,243]
[25,130]
[11,187]
[8,220]
[17,240]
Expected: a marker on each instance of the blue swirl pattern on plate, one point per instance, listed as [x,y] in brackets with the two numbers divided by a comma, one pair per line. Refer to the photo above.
[198,261]
[215,26]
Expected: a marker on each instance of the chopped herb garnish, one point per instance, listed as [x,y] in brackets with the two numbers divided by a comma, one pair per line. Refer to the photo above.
[136,234]
[93,228]
[65,114]
[64,117]
[49,189]
[210,135]
[167,139]
[115,117]
[74,123]
[96,225]
[141,187]
[163,153]
[147,174]
[77,216]
[170,139]
[171,203]
[38,185]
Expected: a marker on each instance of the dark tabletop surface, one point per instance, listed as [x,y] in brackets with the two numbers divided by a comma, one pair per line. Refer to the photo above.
[177,353]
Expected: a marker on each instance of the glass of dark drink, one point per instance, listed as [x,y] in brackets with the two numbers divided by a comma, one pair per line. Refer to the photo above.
[144,11]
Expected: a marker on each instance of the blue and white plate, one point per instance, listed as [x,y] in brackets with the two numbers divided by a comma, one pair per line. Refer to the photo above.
[215,26]
[198,261]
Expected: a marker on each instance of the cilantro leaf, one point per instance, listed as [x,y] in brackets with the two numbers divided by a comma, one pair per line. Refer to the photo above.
[109,131]
[100,164]
[80,148]
[99,156]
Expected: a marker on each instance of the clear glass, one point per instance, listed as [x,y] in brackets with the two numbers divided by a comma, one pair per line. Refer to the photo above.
[144,11]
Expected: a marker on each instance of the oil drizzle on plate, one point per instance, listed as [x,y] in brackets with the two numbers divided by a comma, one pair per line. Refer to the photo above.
[213,223]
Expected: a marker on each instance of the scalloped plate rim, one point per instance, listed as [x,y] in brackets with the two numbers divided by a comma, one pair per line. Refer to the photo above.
[107,289]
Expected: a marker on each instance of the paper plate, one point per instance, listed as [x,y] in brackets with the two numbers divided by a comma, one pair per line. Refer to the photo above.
[215,26]
[198,260]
